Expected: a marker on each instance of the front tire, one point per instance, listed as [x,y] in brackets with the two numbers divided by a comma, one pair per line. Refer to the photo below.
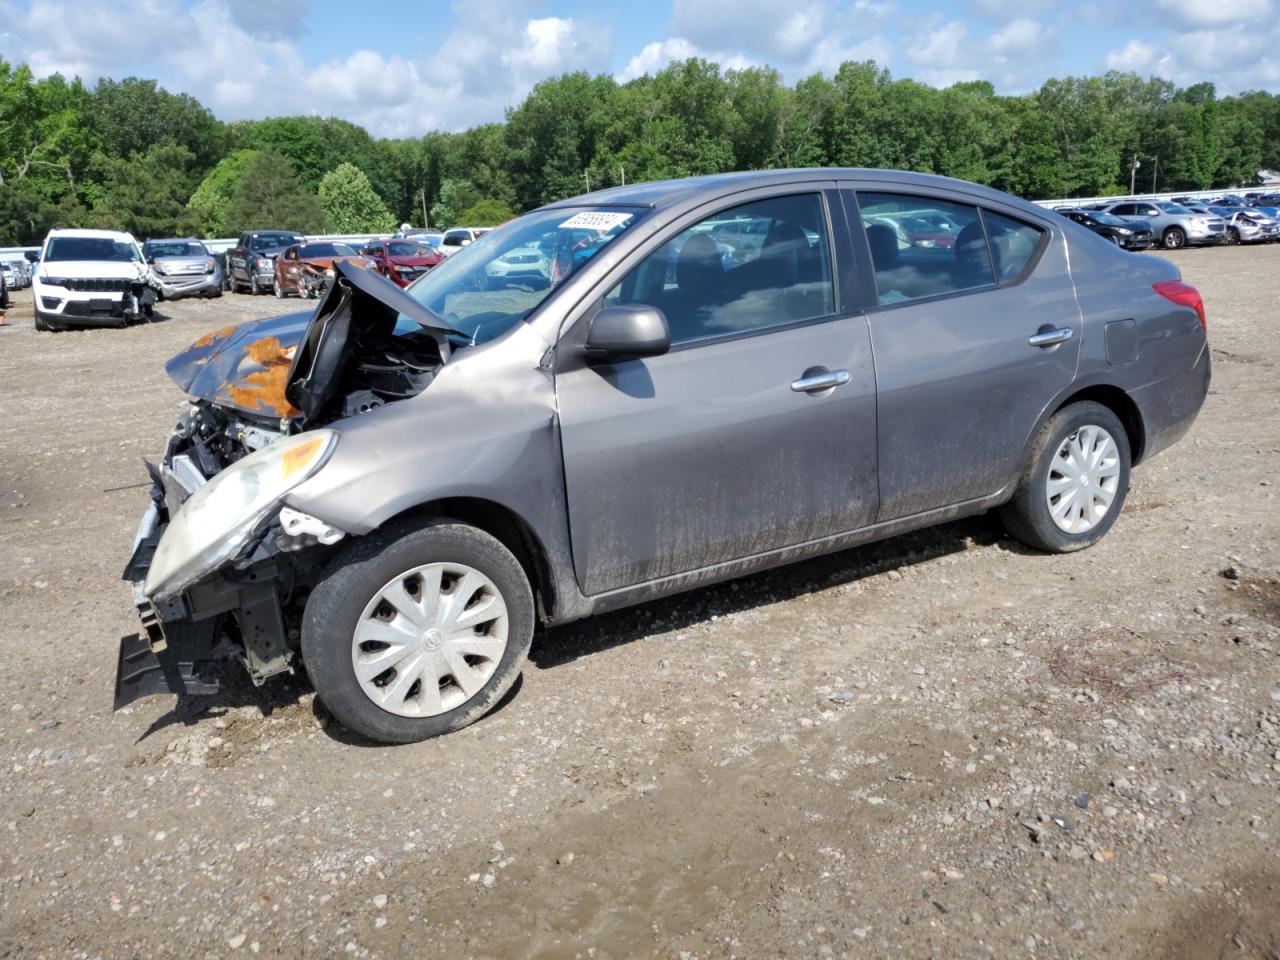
[254,289]
[1174,239]
[1075,482]
[1233,236]
[277,289]
[417,630]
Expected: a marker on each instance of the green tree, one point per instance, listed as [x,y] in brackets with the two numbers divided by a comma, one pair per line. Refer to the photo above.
[486,213]
[350,204]
[456,196]
[270,195]
[145,194]
[131,115]
[208,206]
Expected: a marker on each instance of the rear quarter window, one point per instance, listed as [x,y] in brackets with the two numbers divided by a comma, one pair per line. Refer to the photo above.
[1013,244]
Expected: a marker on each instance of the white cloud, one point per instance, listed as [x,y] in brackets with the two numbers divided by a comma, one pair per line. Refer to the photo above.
[1138,57]
[942,55]
[830,53]
[90,40]
[782,33]
[242,69]
[654,56]
[1012,58]
[1216,13]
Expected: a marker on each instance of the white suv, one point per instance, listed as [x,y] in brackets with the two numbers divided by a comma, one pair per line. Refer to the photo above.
[91,278]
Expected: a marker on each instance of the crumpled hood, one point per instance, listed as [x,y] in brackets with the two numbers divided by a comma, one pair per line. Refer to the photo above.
[245,366]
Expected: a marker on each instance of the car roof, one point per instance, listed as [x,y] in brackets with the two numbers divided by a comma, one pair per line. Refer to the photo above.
[664,194]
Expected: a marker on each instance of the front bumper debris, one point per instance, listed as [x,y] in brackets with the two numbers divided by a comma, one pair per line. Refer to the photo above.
[247,611]
[141,671]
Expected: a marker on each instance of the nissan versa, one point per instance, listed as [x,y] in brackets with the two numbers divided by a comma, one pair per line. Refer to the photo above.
[707,377]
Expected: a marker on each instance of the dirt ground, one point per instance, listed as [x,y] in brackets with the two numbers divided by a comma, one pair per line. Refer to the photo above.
[939,746]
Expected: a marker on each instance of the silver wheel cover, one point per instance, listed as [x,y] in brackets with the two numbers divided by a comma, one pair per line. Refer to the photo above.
[1083,479]
[430,639]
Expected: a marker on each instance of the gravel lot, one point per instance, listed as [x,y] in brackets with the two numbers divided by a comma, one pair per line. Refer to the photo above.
[942,745]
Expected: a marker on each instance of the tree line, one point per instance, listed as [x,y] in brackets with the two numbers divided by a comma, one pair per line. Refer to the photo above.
[126,154]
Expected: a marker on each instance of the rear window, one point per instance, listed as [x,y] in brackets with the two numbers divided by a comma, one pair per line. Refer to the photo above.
[910,264]
[1013,244]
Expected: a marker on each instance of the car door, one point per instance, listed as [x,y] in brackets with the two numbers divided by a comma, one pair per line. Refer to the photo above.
[971,342]
[756,431]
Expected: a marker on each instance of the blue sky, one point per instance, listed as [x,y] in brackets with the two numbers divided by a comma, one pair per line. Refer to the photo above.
[401,69]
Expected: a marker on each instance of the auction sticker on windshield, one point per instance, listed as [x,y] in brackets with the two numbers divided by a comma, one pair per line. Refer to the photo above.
[601,220]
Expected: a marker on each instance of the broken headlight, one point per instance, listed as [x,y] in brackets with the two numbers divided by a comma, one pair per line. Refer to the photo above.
[221,517]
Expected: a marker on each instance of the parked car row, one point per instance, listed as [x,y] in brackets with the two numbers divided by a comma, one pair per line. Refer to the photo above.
[16,272]
[287,264]
[1182,221]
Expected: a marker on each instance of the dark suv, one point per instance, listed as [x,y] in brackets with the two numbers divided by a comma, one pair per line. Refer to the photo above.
[252,261]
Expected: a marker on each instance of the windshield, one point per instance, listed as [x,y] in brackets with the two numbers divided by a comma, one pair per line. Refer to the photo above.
[268,241]
[90,248]
[176,248]
[406,250]
[1172,208]
[476,292]
[313,250]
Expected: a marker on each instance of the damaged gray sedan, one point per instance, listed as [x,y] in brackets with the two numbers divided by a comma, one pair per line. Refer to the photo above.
[692,381]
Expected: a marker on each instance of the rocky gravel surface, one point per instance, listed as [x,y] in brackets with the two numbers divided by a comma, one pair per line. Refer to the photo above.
[942,745]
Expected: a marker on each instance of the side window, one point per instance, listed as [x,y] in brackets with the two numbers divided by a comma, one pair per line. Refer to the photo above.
[1013,244]
[922,246]
[763,264]
[1123,210]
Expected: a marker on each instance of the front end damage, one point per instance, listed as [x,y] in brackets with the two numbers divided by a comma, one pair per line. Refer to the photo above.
[221,568]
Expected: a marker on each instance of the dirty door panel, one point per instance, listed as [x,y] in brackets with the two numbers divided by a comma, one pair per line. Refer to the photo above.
[706,455]
[960,387]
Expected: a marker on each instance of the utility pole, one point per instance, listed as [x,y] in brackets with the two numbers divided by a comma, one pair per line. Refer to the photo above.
[1133,173]
[586,175]
[425,224]
[1155,170]
[623,172]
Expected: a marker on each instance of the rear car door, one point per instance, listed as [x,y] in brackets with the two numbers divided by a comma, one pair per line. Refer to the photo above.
[971,342]
[757,430]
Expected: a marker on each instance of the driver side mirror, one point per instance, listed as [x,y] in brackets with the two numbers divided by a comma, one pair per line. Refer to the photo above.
[626,333]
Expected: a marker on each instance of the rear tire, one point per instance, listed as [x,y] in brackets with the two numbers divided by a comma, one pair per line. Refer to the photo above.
[1074,487]
[398,562]
[1174,238]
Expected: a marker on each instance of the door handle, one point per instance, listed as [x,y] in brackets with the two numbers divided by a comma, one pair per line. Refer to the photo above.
[816,382]
[1047,338]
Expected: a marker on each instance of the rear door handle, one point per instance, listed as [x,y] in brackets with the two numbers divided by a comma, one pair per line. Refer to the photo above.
[1047,338]
[817,382]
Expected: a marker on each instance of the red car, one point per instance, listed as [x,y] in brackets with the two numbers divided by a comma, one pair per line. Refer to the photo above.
[403,261]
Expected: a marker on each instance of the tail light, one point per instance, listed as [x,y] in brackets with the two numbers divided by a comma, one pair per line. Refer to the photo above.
[1184,295]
